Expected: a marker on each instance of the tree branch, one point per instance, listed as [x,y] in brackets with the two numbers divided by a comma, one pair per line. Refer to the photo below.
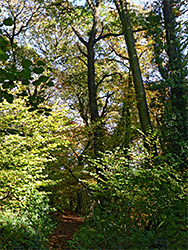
[107,35]
[81,110]
[26,25]
[79,36]
[79,181]
[140,55]
[118,54]
[21,9]
[118,61]
[99,37]
[80,49]
[106,103]
[87,188]
[82,61]
[105,76]
[139,30]
[91,4]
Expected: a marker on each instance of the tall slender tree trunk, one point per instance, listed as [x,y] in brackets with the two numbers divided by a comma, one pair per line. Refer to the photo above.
[92,89]
[122,135]
[175,62]
[91,84]
[176,113]
[95,118]
[144,117]
[174,56]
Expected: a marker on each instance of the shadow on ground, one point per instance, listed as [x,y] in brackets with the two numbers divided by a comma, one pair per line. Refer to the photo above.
[68,223]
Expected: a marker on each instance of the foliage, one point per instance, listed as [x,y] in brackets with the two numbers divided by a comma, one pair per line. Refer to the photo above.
[28,143]
[136,200]
[16,76]
[28,228]
[138,207]
[165,25]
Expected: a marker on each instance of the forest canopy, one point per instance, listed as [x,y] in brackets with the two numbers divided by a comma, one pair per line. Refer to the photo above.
[93,119]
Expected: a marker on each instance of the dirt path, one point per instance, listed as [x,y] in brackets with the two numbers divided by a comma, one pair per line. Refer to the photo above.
[67,224]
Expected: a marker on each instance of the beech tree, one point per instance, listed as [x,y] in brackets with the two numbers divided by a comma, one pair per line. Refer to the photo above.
[176,80]
[92,101]
[92,88]
[169,56]
[77,83]
[134,63]
[23,72]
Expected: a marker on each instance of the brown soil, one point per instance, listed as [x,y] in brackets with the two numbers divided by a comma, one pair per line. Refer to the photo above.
[67,225]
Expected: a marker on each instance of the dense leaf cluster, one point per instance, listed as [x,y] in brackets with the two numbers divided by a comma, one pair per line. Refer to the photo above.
[14,80]
[28,142]
[137,207]
[59,56]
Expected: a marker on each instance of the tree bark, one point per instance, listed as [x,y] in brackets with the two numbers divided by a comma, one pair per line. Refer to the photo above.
[144,117]
[95,118]
[174,61]
[175,108]
[92,87]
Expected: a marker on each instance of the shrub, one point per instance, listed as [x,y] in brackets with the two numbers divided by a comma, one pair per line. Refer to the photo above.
[140,206]
[28,228]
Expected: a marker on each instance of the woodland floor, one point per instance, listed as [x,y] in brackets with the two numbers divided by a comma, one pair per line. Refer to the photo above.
[68,223]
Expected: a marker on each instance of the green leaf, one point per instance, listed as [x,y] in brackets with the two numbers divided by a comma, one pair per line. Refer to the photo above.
[31,109]
[2,72]
[31,99]
[171,232]
[4,57]
[6,85]
[11,76]
[40,99]
[41,63]
[24,93]
[9,85]
[50,69]
[40,111]
[3,42]
[8,21]
[26,74]
[38,70]
[162,222]
[163,216]
[48,109]
[50,84]
[2,52]
[25,82]
[36,83]
[9,97]
[14,45]
[26,63]
[43,78]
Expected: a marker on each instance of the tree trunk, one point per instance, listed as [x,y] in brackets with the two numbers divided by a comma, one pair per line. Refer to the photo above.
[175,108]
[92,89]
[95,118]
[175,63]
[144,117]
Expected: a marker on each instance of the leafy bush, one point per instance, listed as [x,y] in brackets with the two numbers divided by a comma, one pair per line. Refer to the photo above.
[29,143]
[139,206]
[29,228]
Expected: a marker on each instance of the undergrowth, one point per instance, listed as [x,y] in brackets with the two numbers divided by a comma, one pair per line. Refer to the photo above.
[139,205]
